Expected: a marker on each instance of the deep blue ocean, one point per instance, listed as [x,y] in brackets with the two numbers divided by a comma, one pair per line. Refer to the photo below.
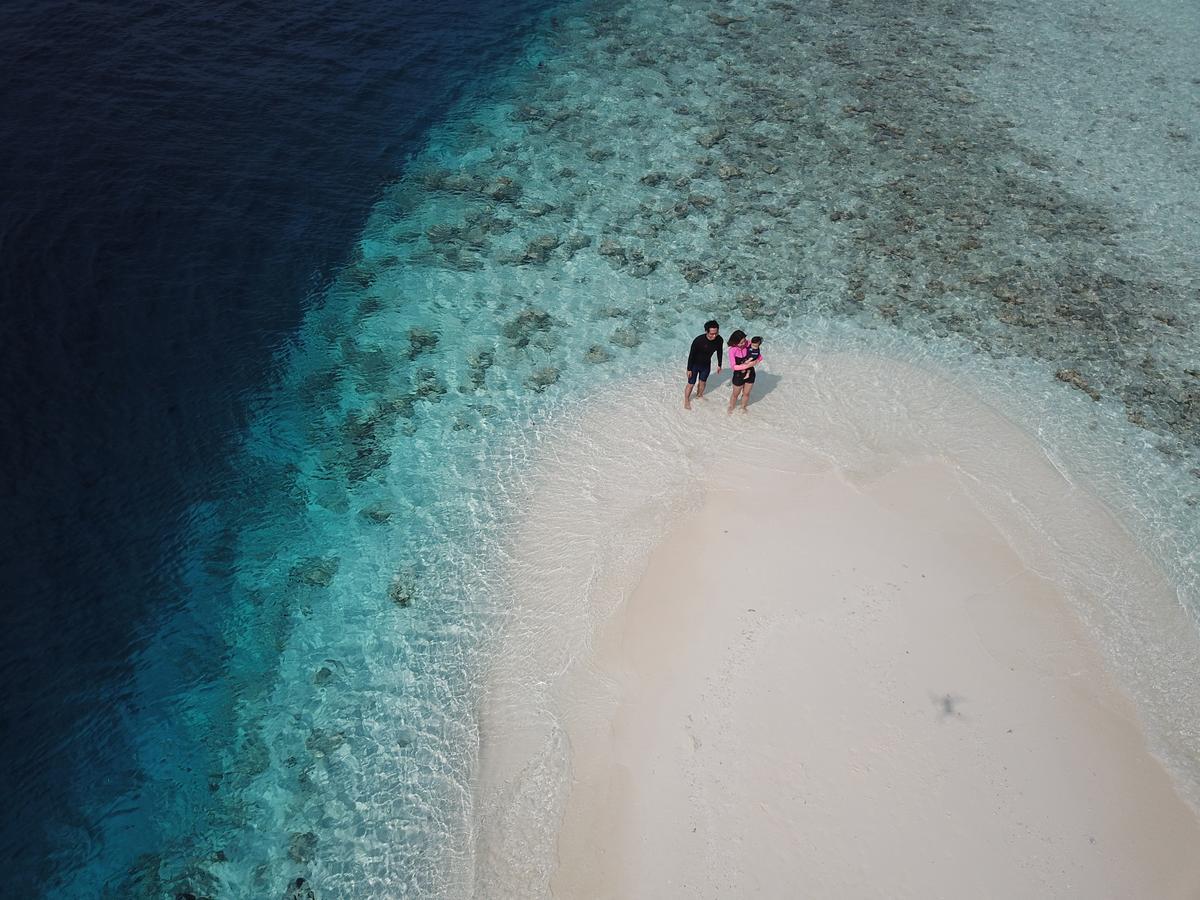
[179,181]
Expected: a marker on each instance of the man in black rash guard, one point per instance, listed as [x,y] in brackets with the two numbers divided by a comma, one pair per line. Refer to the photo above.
[699,363]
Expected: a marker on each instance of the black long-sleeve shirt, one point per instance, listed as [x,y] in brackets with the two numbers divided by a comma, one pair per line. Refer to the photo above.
[700,356]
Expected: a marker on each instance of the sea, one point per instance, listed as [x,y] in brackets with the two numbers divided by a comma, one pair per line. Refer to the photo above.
[293,297]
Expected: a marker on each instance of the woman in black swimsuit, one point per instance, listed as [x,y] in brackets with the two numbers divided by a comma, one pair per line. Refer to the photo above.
[743,369]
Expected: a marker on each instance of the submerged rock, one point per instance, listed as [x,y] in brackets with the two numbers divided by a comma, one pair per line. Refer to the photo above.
[429,385]
[143,881]
[419,340]
[614,253]
[483,222]
[299,889]
[302,847]
[542,379]
[254,756]
[380,515]
[710,139]
[194,883]
[453,256]
[316,571]
[503,190]
[1072,377]
[754,307]
[576,242]
[364,434]
[369,305]
[319,388]
[460,183]
[540,208]
[723,21]
[400,591]
[442,233]
[453,182]
[433,179]
[477,365]
[526,113]
[528,322]
[539,249]
[596,354]
[611,250]
[625,337]
[323,743]
[361,273]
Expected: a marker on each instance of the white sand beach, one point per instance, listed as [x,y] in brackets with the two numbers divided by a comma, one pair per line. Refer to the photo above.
[827,664]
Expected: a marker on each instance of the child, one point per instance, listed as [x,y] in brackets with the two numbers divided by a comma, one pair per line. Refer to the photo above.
[754,354]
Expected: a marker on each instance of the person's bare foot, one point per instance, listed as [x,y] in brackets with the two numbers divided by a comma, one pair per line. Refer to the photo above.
[687,405]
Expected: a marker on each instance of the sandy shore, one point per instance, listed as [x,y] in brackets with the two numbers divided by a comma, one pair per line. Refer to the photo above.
[826,682]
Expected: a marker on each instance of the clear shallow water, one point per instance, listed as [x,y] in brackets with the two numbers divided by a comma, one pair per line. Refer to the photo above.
[301,702]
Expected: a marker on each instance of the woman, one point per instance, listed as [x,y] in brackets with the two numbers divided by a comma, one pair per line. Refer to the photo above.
[739,349]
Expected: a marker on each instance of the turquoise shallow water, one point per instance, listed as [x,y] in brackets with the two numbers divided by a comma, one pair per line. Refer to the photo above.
[914,180]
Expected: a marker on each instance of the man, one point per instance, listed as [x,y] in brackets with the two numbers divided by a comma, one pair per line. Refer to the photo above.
[699,363]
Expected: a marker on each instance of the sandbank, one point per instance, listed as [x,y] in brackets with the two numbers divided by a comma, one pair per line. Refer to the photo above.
[787,666]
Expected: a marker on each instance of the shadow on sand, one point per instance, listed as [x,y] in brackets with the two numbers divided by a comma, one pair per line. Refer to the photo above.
[719,385]
[763,385]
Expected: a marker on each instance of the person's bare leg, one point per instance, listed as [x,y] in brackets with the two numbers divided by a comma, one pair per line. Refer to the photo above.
[733,397]
[687,397]
[746,388]
[700,386]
